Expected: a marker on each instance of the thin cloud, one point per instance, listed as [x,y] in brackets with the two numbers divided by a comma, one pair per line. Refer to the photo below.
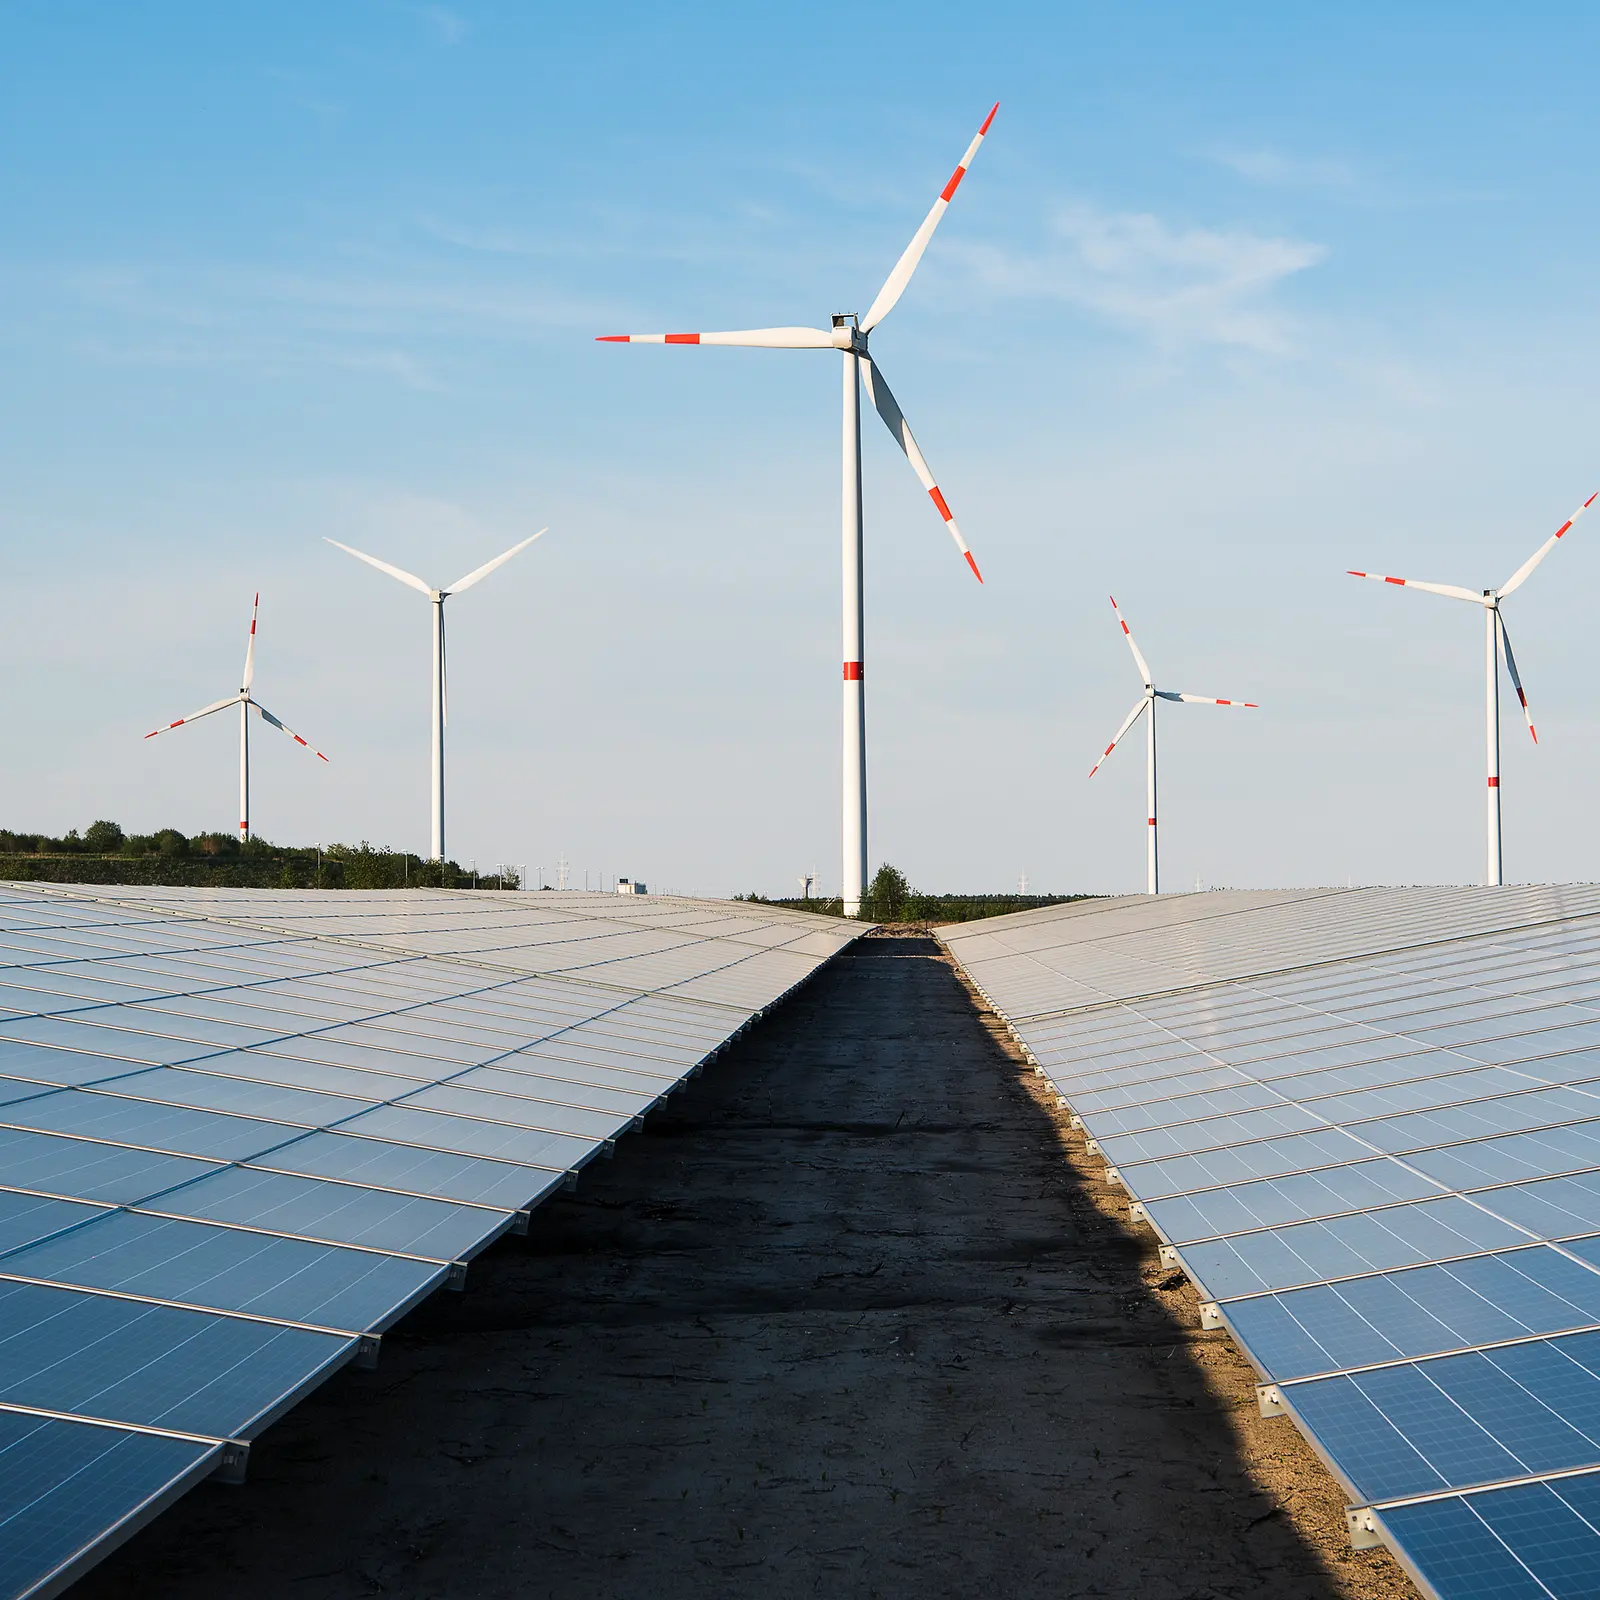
[1273,170]
[1177,285]
[450,27]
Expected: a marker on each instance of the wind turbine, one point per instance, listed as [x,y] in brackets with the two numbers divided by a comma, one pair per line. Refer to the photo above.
[438,597]
[1496,644]
[849,334]
[1147,702]
[246,704]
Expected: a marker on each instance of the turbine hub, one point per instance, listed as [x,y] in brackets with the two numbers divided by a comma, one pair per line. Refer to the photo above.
[851,321]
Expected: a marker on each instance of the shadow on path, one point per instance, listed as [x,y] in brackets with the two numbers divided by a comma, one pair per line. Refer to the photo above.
[841,1320]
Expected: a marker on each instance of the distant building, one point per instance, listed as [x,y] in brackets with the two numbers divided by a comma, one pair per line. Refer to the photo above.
[631,886]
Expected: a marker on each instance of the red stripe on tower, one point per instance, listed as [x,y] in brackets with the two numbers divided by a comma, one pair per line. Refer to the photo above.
[1494,783]
[852,671]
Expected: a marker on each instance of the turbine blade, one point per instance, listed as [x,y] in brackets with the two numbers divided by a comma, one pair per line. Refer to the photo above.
[894,419]
[1128,722]
[1450,589]
[489,566]
[266,716]
[1520,576]
[1206,700]
[1127,632]
[195,716]
[755,338]
[250,649]
[895,284]
[1511,667]
[383,566]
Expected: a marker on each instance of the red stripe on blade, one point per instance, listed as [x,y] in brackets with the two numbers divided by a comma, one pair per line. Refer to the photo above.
[613,338]
[938,500]
[1400,581]
[988,119]
[683,338]
[954,183]
[974,565]
[1563,528]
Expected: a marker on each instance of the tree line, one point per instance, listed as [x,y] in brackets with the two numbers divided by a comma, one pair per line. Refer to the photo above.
[104,853]
[890,898]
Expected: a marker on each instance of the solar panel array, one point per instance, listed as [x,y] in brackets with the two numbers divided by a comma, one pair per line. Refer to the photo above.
[242,1132]
[1367,1125]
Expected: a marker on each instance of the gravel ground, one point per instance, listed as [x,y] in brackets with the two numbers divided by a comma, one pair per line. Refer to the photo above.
[852,1315]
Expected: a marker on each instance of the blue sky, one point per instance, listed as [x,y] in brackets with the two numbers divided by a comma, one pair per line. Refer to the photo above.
[1234,298]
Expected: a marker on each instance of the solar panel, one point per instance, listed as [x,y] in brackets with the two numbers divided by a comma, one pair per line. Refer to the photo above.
[242,1132]
[1366,1124]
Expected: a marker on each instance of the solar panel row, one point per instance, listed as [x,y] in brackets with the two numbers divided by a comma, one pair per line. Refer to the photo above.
[242,1132]
[1367,1125]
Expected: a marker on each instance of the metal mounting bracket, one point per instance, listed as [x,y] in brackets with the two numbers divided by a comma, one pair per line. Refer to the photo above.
[366,1357]
[1363,1526]
[233,1462]
[1269,1402]
[1211,1316]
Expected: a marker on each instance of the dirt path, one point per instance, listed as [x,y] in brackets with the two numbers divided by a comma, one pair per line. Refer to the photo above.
[849,1317]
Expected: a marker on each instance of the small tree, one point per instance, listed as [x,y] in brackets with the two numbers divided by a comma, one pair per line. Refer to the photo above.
[103,838]
[885,900]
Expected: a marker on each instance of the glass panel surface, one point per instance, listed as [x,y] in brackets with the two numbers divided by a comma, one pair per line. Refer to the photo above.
[64,1485]
[1275,1201]
[439,1131]
[122,1360]
[200,1265]
[80,1170]
[1464,1558]
[337,1213]
[1374,1241]
[472,1180]
[1417,1312]
[172,1129]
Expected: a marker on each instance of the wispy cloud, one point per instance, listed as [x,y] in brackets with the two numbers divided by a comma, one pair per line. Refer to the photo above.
[1271,169]
[449,26]
[1179,285]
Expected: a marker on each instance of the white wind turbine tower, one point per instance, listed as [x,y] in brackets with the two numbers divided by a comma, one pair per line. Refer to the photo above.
[1496,646]
[849,335]
[1147,703]
[246,704]
[438,597]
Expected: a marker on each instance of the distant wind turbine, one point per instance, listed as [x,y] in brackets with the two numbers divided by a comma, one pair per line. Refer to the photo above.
[1497,646]
[1147,702]
[438,597]
[246,704]
[849,334]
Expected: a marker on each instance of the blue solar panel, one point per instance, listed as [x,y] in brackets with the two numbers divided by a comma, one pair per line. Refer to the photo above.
[229,1155]
[1367,1124]
[67,1486]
